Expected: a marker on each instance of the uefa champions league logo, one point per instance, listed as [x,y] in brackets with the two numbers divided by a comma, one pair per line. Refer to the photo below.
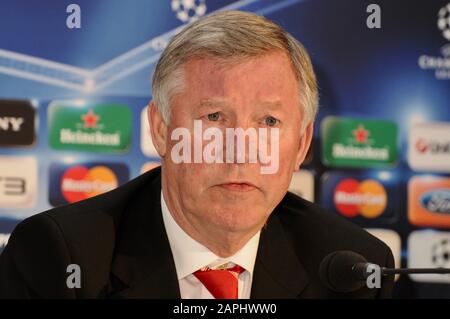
[189,10]
[440,255]
[444,21]
[439,64]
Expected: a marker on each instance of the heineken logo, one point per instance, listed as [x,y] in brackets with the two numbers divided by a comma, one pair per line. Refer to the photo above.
[96,128]
[361,134]
[90,119]
[68,136]
[358,143]
[343,151]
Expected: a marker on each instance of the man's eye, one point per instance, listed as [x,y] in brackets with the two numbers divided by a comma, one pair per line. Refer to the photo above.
[213,116]
[270,121]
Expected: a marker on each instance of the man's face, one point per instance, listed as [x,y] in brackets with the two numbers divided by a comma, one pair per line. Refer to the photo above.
[259,92]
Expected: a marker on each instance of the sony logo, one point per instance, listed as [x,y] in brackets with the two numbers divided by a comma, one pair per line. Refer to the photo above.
[9,123]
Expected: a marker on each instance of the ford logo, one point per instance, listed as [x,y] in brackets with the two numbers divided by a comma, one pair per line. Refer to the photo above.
[437,201]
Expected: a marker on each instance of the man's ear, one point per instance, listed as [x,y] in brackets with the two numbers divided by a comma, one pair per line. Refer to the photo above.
[158,129]
[305,143]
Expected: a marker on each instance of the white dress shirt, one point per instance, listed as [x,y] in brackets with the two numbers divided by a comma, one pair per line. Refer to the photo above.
[189,256]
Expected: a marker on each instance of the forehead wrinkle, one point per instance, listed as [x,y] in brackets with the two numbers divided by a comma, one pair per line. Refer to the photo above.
[212,103]
[271,105]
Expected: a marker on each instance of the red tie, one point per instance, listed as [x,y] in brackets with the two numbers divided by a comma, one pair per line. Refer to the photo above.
[223,283]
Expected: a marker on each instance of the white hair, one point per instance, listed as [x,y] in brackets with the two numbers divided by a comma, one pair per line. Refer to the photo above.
[230,36]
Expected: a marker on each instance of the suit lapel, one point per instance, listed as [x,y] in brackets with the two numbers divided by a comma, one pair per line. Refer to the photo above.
[278,272]
[143,265]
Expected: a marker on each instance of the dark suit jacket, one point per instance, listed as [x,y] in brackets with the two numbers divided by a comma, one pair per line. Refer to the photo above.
[119,241]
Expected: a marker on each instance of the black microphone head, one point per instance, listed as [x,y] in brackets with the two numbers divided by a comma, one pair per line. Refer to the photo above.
[336,272]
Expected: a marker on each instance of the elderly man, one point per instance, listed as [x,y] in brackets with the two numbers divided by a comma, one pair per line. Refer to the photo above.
[199,227]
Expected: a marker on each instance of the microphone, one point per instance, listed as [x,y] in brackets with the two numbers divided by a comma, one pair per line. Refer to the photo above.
[346,271]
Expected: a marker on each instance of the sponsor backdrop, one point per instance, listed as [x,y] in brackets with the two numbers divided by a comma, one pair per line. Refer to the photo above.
[73,123]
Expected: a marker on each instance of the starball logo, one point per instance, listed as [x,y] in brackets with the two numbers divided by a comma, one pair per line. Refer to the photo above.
[188,10]
[444,21]
[429,249]
[440,64]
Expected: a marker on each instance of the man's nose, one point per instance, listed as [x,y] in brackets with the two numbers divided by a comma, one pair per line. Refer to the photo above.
[241,144]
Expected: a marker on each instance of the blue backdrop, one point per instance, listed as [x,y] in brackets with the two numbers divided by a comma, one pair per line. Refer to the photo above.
[399,73]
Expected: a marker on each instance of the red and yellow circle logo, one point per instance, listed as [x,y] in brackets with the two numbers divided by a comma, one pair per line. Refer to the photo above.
[80,182]
[367,198]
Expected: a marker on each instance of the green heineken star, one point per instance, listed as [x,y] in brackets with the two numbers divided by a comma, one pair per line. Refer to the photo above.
[349,142]
[91,127]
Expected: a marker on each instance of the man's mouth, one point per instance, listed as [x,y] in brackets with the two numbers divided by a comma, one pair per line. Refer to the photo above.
[238,186]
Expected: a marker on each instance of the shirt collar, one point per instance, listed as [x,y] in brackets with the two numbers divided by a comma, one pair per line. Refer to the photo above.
[189,255]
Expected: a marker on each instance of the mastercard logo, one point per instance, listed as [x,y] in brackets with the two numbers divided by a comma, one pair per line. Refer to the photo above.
[366,198]
[80,182]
